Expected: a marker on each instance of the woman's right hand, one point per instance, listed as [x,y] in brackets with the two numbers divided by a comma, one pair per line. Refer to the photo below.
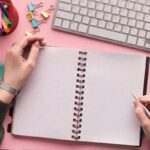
[141,115]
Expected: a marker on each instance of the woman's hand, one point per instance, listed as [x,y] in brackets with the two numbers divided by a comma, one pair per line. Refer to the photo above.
[141,115]
[18,68]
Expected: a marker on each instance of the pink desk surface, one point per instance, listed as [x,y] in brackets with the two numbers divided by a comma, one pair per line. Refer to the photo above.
[57,38]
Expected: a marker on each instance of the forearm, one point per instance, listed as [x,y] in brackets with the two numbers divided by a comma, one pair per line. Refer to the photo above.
[5,99]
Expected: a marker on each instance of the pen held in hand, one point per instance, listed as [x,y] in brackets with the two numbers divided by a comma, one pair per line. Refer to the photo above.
[145,109]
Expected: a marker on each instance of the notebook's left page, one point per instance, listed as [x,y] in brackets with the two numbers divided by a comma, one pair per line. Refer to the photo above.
[39,110]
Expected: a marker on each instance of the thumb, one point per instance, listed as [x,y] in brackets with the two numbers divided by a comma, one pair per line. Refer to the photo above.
[142,117]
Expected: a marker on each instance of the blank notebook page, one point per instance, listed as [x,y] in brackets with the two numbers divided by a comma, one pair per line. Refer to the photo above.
[45,107]
[108,114]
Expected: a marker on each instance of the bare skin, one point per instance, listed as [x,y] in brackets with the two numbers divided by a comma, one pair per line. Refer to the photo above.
[17,68]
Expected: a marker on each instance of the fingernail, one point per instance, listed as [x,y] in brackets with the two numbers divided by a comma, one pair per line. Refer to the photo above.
[136,103]
[37,44]
[44,42]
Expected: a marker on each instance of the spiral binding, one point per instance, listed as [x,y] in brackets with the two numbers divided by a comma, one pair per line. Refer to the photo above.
[79,96]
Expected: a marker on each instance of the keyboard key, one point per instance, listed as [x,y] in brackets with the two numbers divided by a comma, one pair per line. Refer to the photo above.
[131,14]
[113,2]
[91,13]
[147,45]
[147,41]
[147,26]
[83,11]
[77,18]
[129,5]
[63,6]
[99,6]
[148,35]
[131,22]
[107,34]
[141,42]
[109,25]
[118,27]
[115,18]
[148,3]
[139,16]
[123,12]
[134,31]
[107,8]
[94,22]
[105,1]
[76,2]
[115,10]
[147,18]
[133,0]
[91,5]
[132,40]
[66,1]
[83,28]
[85,20]
[101,24]
[65,24]
[75,9]
[65,15]
[126,29]
[145,9]
[74,26]
[139,24]
[122,3]
[138,7]
[58,22]
[83,3]
[142,33]
[107,17]
[124,20]
[99,15]
[142,1]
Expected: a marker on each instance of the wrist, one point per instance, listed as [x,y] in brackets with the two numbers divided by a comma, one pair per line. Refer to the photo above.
[5,96]
[8,88]
[12,83]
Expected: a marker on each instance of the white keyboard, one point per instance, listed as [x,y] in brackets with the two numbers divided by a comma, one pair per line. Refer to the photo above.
[125,22]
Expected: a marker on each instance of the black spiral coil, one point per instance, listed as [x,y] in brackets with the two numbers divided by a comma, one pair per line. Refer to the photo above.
[79,95]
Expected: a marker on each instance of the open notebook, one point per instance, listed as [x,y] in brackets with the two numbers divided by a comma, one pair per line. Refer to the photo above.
[82,96]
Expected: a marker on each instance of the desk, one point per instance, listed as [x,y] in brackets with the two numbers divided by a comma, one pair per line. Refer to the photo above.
[56,38]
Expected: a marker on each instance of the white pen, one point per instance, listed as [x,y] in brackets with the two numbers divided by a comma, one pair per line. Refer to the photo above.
[145,109]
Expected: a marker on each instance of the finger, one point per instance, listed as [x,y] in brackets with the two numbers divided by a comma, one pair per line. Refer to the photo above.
[43,43]
[28,39]
[145,99]
[34,52]
[142,117]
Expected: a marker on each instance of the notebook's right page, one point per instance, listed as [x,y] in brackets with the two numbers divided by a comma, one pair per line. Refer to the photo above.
[108,111]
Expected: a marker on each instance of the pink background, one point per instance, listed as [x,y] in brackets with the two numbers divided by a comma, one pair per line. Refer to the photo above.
[57,38]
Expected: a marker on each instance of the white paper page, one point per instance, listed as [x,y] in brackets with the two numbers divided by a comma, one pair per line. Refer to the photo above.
[45,104]
[108,112]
